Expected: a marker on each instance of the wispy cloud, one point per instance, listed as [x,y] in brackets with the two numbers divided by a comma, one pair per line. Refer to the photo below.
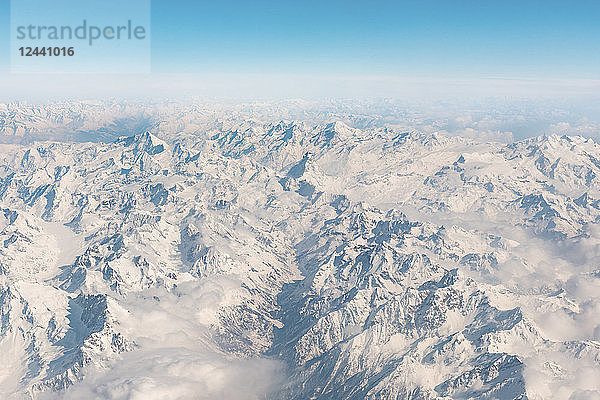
[176,357]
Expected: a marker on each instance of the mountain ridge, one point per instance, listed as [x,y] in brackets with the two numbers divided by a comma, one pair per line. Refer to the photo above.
[321,252]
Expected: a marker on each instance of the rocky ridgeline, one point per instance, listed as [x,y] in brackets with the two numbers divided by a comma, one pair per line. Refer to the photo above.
[375,264]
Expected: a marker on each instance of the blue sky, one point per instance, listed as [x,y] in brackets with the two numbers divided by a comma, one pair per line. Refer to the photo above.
[408,39]
[434,38]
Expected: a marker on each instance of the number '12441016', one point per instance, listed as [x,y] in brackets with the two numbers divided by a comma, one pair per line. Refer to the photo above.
[47,51]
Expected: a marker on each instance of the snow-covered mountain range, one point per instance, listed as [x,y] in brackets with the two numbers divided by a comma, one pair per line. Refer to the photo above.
[212,256]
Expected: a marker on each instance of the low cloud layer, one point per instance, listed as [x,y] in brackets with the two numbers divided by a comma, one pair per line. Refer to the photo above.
[176,357]
[178,373]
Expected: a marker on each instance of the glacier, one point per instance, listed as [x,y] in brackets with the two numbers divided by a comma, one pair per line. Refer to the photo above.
[171,252]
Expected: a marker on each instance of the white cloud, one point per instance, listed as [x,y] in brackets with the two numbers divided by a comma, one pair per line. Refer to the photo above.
[176,357]
[178,373]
